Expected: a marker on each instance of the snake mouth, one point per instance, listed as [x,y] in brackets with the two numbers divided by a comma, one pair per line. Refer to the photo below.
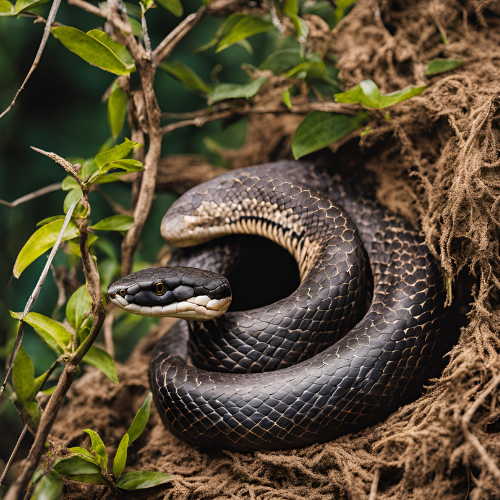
[177,292]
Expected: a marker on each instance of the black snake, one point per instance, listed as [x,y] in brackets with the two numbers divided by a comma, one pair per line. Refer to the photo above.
[359,337]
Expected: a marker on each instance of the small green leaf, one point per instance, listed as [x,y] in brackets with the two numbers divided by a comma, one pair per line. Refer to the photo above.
[285,97]
[126,165]
[88,478]
[189,79]
[245,27]
[341,10]
[102,360]
[117,110]
[310,70]
[71,197]
[39,381]
[78,308]
[234,91]
[121,456]
[49,487]
[51,332]
[367,94]
[73,466]
[318,130]
[6,8]
[139,480]
[69,183]
[282,60]
[223,29]
[301,28]
[114,223]
[48,220]
[290,7]
[90,49]
[40,241]
[117,48]
[74,245]
[85,454]
[24,5]
[140,420]
[441,65]
[98,447]
[117,153]
[173,6]
[23,375]
[31,414]
[88,169]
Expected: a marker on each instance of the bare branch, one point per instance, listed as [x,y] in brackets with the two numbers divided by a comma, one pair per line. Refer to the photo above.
[13,454]
[32,196]
[374,487]
[45,37]
[64,164]
[168,44]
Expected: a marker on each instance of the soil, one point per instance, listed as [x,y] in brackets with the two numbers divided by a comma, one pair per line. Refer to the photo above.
[436,160]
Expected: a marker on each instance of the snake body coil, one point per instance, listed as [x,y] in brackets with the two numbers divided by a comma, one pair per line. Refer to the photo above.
[330,366]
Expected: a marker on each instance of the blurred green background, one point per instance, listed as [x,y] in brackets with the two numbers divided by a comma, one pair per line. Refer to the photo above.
[61,111]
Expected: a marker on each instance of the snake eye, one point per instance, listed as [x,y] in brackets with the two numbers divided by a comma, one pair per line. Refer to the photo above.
[122,292]
[159,288]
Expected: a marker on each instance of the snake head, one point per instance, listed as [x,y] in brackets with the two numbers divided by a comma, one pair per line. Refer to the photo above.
[176,292]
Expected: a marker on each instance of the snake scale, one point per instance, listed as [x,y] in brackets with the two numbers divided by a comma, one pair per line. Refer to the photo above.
[358,338]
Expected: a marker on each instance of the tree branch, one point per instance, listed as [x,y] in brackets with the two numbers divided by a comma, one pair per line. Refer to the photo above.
[45,37]
[32,196]
[168,44]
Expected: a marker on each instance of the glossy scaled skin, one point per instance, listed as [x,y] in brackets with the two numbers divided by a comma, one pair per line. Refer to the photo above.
[380,364]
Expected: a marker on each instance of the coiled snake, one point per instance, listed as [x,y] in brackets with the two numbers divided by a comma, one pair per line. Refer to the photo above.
[327,365]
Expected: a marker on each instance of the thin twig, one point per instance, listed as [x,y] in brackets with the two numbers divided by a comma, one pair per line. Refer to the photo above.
[473,440]
[70,168]
[145,34]
[36,293]
[168,44]
[61,293]
[199,118]
[275,18]
[45,37]
[32,196]
[13,454]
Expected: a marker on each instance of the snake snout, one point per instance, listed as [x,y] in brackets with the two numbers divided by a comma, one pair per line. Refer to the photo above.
[178,292]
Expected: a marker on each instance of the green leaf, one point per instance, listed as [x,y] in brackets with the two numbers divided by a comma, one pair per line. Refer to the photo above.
[290,7]
[285,97]
[139,480]
[223,29]
[117,110]
[341,10]
[121,456]
[69,183]
[282,60]
[140,420]
[368,95]
[245,27]
[126,165]
[319,130]
[90,49]
[74,245]
[235,91]
[310,70]
[102,360]
[301,28]
[78,308]
[73,466]
[42,240]
[189,79]
[48,220]
[89,167]
[88,478]
[85,454]
[6,8]
[173,6]
[117,153]
[98,447]
[49,487]
[117,48]
[23,375]
[24,5]
[39,381]
[51,332]
[71,197]
[441,65]
[114,223]
[31,414]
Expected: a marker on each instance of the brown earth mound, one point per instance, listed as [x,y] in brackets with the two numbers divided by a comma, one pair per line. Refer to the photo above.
[436,157]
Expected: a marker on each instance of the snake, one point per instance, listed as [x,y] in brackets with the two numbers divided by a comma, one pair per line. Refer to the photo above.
[359,336]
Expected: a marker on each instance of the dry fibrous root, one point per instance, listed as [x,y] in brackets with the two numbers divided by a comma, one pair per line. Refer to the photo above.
[437,163]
